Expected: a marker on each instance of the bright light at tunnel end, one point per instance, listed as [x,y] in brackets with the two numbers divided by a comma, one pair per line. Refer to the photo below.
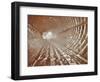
[48,35]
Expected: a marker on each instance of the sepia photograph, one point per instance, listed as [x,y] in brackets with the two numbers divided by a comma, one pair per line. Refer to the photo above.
[57,40]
